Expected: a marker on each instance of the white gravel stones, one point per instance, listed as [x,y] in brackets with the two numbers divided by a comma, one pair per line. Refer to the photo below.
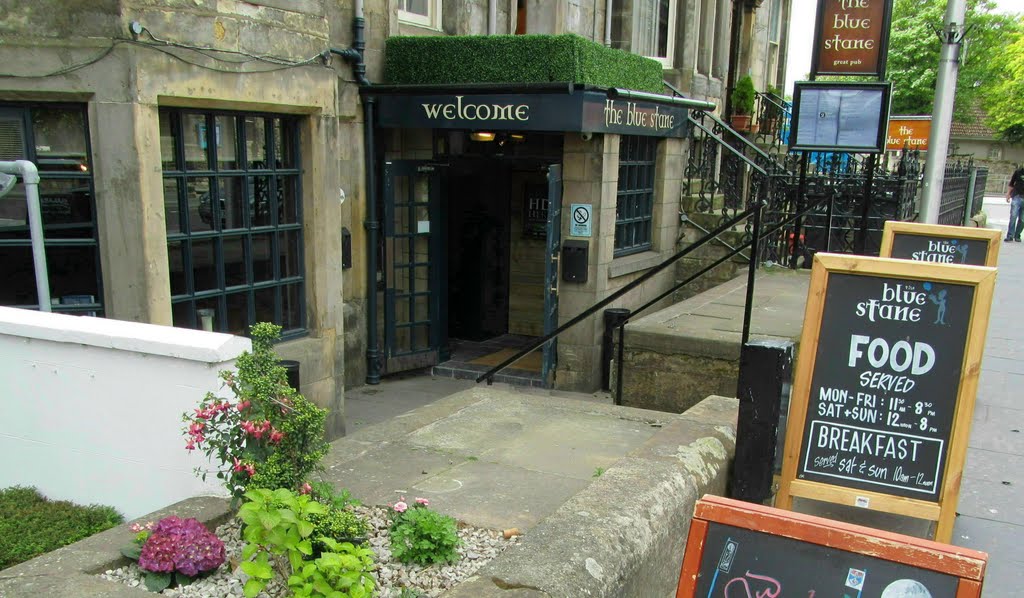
[478,547]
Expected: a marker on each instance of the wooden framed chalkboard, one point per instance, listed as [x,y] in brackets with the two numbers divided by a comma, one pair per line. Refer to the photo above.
[885,383]
[743,550]
[941,244]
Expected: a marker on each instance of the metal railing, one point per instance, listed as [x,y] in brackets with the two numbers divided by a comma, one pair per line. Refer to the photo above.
[774,115]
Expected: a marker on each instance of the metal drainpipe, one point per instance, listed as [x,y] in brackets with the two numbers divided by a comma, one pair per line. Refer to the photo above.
[355,55]
[30,177]
[492,17]
[608,23]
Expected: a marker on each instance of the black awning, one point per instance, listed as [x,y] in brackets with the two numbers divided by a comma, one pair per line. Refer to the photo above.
[556,107]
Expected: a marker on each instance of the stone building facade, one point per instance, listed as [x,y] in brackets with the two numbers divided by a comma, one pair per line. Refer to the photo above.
[204,164]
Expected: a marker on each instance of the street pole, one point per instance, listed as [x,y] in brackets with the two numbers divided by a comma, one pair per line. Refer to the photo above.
[942,113]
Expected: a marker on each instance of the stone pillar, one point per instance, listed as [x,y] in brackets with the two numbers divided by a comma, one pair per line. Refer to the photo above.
[130,211]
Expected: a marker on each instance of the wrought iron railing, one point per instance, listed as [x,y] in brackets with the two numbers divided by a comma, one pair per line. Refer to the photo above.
[774,115]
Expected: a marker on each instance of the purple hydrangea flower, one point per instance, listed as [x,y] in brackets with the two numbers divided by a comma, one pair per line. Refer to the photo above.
[183,545]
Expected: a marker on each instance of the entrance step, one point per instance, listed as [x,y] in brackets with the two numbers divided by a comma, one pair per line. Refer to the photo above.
[468,371]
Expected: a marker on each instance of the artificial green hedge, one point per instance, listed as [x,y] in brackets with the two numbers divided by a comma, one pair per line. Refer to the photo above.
[566,58]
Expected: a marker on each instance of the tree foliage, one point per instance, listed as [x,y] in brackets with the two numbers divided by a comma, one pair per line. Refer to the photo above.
[1005,104]
[914,49]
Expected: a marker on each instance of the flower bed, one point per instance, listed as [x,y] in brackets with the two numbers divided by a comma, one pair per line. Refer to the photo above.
[478,546]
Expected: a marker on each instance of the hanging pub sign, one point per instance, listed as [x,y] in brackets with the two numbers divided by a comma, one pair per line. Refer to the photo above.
[885,385]
[580,111]
[941,244]
[851,37]
[736,548]
[908,132]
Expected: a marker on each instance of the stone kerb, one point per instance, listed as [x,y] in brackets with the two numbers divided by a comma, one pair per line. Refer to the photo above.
[93,407]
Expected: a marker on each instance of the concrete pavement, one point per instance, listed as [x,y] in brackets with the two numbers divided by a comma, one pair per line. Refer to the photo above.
[991,509]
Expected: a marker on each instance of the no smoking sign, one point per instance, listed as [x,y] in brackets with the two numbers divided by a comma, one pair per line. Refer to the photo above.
[581,219]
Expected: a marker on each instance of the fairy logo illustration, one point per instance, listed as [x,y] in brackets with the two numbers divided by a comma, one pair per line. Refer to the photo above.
[937,297]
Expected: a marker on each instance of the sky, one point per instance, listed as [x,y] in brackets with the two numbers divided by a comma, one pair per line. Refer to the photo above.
[800,44]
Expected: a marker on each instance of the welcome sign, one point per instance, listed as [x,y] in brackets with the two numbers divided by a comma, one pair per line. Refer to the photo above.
[579,111]
[885,385]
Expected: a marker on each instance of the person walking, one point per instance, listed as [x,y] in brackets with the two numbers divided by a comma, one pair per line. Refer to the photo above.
[1015,197]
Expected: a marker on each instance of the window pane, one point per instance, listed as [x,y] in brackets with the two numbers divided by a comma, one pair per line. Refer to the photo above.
[288,205]
[19,286]
[284,146]
[60,139]
[235,262]
[200,205]
[196,142]
[232,202]
[172,213]
[176,257]
[259,205]
[291,308]
[168,143]
[262,258]
[420,7]
[208,315]
[256,141]
[227,143]
[288,242]
[182,313]
[66,202]
[265,300]
[663,28]
[14,214]
[238,313]
[204,265]
[72,271]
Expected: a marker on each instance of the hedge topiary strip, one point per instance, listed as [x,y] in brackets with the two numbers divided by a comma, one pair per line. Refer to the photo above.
[453,60]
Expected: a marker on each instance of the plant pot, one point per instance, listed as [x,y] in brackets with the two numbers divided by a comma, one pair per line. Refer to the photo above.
[740,122]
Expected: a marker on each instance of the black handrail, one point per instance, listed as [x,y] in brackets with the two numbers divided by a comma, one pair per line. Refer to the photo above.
[752,265]
[489,374]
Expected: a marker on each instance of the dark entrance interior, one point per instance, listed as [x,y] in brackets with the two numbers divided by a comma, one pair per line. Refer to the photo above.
[494,200]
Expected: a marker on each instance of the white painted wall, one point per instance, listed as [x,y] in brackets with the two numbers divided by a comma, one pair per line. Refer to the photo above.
[90,408]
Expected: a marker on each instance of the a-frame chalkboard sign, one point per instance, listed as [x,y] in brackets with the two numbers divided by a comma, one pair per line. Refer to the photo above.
[885,383]
[743,549]
[941,244]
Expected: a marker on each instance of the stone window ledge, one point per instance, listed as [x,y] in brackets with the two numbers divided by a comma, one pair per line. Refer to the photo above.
[634,263]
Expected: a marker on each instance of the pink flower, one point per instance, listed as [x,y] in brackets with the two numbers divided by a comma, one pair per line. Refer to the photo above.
[423,501]
[196,428]
[305,489]
[190,445]
[250,469]
[276,436]
[244,405]
[238,465]
[400,507]
[201,414]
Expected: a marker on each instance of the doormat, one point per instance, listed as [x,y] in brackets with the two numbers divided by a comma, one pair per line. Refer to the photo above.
[530,362]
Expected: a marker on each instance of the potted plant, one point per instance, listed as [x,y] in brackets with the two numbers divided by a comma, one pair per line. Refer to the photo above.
[742,103]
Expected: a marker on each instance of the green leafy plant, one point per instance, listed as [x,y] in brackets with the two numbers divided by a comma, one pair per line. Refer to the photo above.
[459,59]
[31,525]
[339,525]
[598,471]
[325,493]
[743,96]
[268,435]
[174,551]
[422,536]
[278,531]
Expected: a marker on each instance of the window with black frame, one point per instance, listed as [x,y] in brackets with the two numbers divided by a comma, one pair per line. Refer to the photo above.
[233,206]
[634,206]
[54,137]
